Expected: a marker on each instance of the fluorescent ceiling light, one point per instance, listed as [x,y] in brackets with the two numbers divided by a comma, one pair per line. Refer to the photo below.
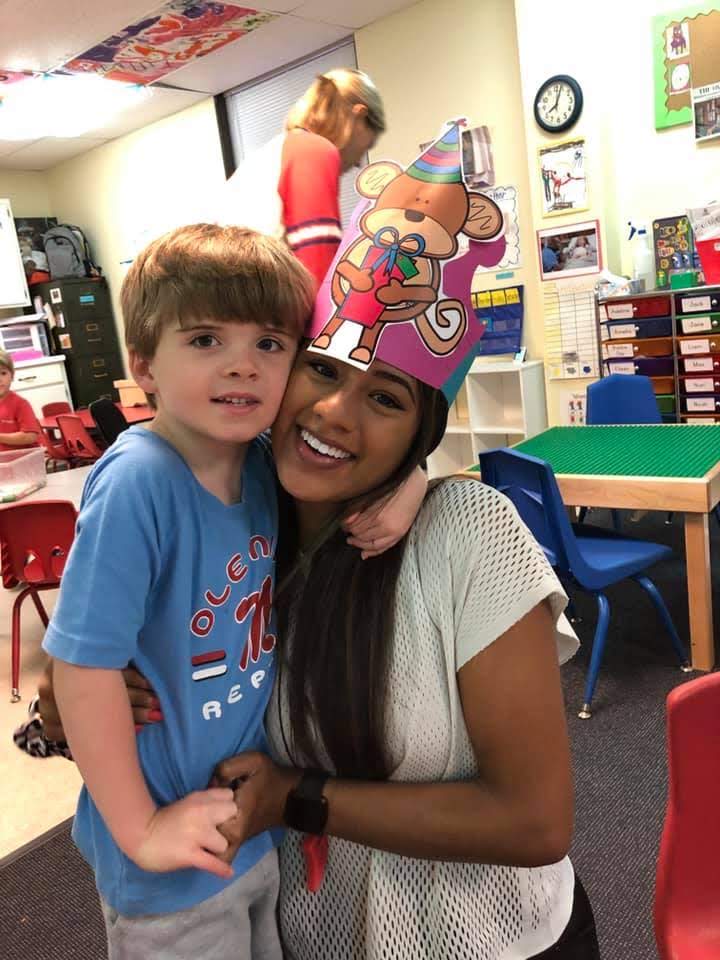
[54,105]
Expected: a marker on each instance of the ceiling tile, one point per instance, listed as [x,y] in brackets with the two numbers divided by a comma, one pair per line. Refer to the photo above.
[352,14]
[45,153]
[267,48]
[8,147]
[161,103]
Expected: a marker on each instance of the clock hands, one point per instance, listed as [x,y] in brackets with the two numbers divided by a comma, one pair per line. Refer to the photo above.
[557,101]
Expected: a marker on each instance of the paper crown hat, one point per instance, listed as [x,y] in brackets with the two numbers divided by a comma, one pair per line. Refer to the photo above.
[398,289]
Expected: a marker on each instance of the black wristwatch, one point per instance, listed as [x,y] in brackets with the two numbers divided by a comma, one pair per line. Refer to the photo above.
[306,809]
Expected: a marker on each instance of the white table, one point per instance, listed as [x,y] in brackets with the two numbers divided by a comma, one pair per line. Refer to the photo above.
[61,485]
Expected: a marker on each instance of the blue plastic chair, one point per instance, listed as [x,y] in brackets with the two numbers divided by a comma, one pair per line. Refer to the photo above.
[620,398]
[592,558]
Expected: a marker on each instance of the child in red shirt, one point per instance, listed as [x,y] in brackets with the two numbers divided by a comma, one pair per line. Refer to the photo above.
[19,426]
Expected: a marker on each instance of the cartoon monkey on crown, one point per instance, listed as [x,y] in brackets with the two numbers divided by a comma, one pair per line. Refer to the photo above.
[392,271]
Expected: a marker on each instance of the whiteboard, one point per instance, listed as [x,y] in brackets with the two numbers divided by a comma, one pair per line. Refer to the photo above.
[13,285]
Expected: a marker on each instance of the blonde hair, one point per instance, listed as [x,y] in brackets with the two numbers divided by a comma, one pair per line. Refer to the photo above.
[213,272]
[7,361]
[326,106]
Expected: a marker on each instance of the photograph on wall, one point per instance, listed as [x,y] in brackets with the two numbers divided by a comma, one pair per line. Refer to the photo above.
[506,199]
[686,50]
[570,250]
[562,171]
[706,111]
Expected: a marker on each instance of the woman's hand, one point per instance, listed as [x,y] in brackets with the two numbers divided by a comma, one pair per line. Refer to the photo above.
[384,523]
[260,788]
[145,705]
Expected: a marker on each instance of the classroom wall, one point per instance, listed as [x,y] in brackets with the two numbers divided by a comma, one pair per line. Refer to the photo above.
[441,59]
[634,172]
[28,192]
[125,193]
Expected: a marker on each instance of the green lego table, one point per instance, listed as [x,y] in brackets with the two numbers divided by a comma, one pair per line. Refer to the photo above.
[668,467]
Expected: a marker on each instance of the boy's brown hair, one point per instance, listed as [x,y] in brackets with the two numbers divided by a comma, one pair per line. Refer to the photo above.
[7,361]
[213,272]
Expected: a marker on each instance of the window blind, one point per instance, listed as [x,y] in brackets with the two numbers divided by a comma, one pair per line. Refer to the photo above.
[257,109]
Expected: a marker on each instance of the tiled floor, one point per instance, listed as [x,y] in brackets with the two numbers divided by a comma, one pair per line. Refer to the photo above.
[34,794]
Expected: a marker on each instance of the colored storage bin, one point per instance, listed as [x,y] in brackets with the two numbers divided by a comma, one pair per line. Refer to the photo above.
[632,309]
[699,364]
[638,329]
[625,349]
[647,366]
[666,402]
[690,346]
[663,385]
[700,323]
[707,403]
[697,302]
[708,384]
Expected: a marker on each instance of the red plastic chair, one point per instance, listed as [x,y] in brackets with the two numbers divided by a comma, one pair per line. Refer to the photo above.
[77,440]
[55,452]
[52,409]
[687,887]
[36,538]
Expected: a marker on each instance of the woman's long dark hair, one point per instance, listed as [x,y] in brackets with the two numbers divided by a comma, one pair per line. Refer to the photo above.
[336,621]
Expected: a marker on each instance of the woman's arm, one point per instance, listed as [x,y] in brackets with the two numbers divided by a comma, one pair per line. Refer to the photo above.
[21,438]
[518,812]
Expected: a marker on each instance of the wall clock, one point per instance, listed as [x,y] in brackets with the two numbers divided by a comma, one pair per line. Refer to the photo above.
[558,104]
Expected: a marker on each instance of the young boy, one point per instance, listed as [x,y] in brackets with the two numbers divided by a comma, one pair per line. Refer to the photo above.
[172,568]
[19,426]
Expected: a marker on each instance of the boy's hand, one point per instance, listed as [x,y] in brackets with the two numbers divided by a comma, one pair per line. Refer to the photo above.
[380,526]
[185,834]
[261,788]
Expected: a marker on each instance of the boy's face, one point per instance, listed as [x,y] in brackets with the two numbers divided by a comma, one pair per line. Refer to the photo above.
[5,380]
[218,381]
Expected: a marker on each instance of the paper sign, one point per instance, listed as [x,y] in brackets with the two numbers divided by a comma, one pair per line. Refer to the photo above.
[696,324]
[699,364]
[701,404]
[695,346]
[620,311]
[700,385]
[616,367]
[623,330]
[695,304]
[617,350]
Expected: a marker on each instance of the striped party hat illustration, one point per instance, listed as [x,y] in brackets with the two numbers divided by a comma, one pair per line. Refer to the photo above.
[441,162]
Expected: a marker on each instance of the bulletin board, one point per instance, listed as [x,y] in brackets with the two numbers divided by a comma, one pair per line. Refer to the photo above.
[13,285]
[686,57]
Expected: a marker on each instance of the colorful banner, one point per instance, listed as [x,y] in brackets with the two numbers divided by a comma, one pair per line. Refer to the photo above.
[172,36]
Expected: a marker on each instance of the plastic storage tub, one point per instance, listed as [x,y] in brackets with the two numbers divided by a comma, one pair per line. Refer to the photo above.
[21,472]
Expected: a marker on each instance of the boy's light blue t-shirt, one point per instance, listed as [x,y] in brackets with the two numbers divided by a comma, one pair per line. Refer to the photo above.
[161,573]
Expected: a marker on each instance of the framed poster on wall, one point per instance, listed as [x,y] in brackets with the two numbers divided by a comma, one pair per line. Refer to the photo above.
[13,285]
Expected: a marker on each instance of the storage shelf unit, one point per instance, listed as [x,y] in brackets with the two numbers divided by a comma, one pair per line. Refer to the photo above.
[673,337]
[498,404]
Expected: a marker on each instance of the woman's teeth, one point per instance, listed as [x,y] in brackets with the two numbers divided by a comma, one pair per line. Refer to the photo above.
[323,448]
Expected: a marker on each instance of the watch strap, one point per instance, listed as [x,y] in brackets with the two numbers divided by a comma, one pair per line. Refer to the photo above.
[306,808]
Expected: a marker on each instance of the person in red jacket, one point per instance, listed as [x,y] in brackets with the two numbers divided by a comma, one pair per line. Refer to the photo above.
[289,187]
[19,426]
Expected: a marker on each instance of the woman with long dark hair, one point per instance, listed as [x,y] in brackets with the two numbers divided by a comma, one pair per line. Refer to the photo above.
[417,725]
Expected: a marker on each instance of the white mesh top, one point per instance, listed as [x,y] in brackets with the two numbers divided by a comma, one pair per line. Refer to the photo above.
[471,570]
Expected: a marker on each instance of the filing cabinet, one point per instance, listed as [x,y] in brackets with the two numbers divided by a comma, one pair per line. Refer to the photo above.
[85,334]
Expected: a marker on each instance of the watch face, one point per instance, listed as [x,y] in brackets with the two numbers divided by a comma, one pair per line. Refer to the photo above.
[558,104]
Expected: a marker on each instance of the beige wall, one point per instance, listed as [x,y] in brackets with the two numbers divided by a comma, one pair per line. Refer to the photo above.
[446,58]
[129,191]
[28,193]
